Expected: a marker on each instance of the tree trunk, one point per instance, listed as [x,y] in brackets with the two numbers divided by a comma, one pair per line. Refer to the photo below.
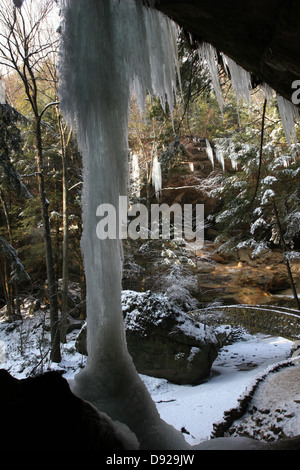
[65,267]
[82,294]
[82,282]
[52,287]
[16,287]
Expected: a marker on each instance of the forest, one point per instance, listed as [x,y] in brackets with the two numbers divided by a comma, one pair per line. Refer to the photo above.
[220,146]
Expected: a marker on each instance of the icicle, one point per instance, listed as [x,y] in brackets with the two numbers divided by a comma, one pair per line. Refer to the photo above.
[210,153]
[268,91]
[135,175]
[286,160]
[110,49]
[234,163]
[220,158]
[240,79]
[207,53]
[288,113]
[2,93]
[156,177]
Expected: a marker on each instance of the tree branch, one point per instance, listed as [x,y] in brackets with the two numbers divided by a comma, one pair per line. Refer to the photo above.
[54,103]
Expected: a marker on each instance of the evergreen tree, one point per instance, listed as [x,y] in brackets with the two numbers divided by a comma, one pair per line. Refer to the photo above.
[12,270]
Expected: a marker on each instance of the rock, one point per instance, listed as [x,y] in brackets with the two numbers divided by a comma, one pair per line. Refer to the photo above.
[244,255]
[73,324]
[217,258]
[163,341]
[262,36]
[34,307]
[295,351]
[41,413]
[267,319]
[80,343]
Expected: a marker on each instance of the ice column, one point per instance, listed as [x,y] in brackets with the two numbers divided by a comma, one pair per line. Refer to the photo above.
[111,48]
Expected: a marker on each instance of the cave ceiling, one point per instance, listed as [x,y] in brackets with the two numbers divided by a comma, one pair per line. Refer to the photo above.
[262,36]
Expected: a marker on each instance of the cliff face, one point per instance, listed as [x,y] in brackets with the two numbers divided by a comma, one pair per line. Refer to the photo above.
[263,36]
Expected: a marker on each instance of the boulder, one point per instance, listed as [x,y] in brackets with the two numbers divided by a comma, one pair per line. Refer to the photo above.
[163,340]
[166,342]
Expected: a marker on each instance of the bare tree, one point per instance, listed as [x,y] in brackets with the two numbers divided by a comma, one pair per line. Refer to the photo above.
[23,48]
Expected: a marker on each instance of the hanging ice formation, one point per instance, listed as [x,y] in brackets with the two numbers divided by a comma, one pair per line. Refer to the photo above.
[220,158]
[207,53]
[241,82]
[156,177]
[218,152]
[240,79]
[110,49]
[210,153]
[288,113]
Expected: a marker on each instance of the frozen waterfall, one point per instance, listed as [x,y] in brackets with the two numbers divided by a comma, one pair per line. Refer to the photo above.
[110,50]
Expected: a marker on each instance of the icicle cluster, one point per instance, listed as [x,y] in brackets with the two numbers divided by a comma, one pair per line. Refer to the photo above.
[218,152]
[241,82]
[288,113]
[240,79]
[208,54]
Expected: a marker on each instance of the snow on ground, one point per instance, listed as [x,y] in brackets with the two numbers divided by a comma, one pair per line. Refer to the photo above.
[197,408]
[193,409]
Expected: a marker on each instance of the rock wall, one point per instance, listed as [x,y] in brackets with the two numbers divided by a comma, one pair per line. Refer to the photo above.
[41,413]
[263,36]
[268,319]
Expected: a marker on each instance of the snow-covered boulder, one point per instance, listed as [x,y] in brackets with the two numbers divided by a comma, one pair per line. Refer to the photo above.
[164,341]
